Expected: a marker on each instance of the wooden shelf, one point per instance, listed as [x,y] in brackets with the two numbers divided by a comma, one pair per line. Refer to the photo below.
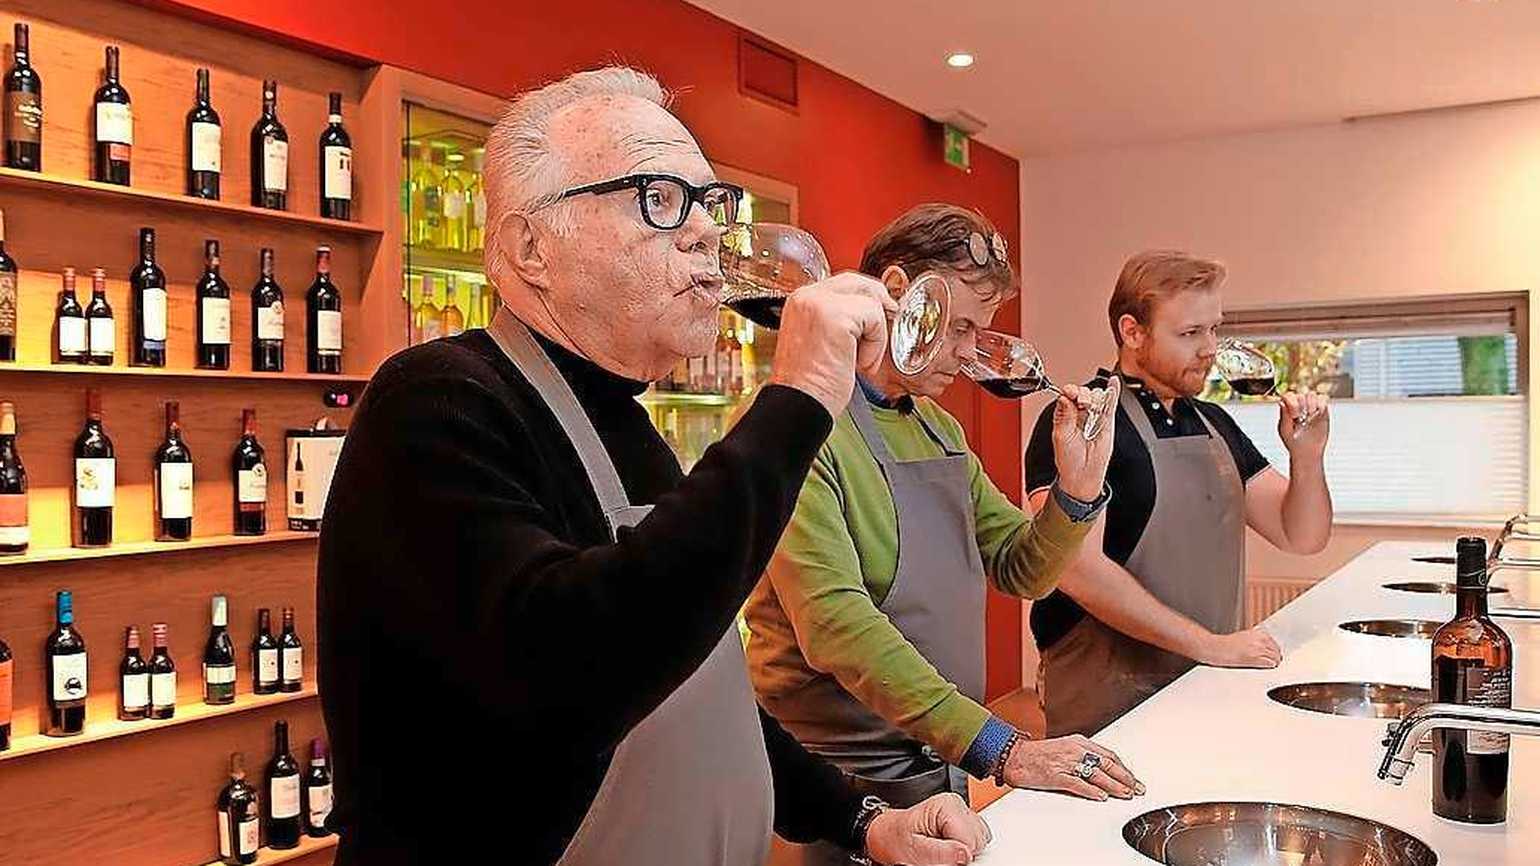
[682,398]
[142,548]
[173,373]
[185,713]
[307,845]
[15,178]
[425,258]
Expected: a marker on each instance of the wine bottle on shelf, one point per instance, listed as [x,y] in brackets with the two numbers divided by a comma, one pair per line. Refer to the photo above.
[133,680]
[66,652]
[114,126]
[454,320]
[70,345]
[204,150]
[283,818]
[239,826]
[323,318]
[264,656]
[1473,665]
[147,283]
[267,319]
[7,674]
[101,332]
[317,791]
[23,108]
[173,481]
[15,526]
[162,675]
[8,299]
[456,217]
[475,194]
[219,657]
[213,312]
[269,154]
[291,655]
[250,464]
[96,470]
[336,164]
[430,319]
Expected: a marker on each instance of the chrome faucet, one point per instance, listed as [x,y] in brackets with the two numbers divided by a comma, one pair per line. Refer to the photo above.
[1401,738]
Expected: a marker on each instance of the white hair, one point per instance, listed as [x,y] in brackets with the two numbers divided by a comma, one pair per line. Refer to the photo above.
[522,172]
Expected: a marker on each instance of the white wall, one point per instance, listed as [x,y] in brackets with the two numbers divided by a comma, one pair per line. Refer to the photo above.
[1416,205]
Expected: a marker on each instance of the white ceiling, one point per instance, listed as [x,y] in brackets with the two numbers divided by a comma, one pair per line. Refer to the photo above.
[1070,75]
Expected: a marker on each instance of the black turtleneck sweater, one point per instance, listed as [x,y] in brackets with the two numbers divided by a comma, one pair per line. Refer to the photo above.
[484,646]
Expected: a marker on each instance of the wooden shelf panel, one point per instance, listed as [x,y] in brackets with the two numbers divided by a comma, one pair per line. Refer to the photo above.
[78,189]
[307,845]
[182,373]
[144,548]
[107,730]
[683,398]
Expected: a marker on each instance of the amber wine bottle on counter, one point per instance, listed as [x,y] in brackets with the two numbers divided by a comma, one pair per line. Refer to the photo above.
[1473,665]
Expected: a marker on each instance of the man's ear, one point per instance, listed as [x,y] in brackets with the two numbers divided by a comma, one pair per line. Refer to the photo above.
[1133,333]
[895,280]
[521,247]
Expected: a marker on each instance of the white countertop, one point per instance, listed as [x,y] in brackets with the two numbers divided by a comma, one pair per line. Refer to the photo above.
[1215,735]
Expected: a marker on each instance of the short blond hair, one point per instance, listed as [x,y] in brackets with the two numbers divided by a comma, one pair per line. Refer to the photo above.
[1155,275]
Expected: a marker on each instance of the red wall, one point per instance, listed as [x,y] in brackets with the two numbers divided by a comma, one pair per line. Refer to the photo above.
[857,158]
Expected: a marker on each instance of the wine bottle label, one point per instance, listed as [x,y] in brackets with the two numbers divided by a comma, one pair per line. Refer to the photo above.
[103,335]
[267,666]
[479,209]
[72,336]
[26,113]
[216,321]
[219,675]
[8,303]
[136,691]
[337,172]
[155,315]
[6,672]
[248,840]
[1480,686]
[328,331]
[284,791]
[206,155]
[251,485]
[176,490]
[115,123]
[270,322]
[95,482]
[69,676]
[320,804]
[163,689]
[454,206]
[14,527]
[275,165]
[224,832]
[293,664]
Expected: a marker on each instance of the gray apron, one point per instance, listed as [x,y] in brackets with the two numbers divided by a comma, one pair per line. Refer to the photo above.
[937,602]
[1191,557]
[690,784]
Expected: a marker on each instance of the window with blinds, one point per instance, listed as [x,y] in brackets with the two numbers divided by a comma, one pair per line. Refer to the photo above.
[1429,402]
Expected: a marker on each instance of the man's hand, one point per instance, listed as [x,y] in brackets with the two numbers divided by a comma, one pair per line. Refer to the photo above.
[1252,648]
[1082,465]
[1304,422]
[829,330]
[939,831]
[1050,765]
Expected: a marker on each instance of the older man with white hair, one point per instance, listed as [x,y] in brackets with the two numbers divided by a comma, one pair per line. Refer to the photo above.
[526,609]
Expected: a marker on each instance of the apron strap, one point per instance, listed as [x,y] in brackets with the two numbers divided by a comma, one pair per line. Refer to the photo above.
[514,338]
[861,413]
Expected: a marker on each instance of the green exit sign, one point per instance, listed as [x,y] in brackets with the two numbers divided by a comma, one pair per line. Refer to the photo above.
[955,146]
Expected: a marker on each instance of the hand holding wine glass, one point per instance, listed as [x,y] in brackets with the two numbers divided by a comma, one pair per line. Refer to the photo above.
[1082,461]
[828,331]
[1308,436]
[1253,374]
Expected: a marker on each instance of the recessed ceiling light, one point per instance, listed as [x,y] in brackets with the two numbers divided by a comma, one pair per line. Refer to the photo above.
[959,60]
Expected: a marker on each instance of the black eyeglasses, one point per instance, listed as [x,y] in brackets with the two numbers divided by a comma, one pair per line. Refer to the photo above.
[980,248]
[665,200]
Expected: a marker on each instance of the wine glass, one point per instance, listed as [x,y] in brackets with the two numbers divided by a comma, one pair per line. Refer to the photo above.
[1251,373]
[1010,367]
[763,263]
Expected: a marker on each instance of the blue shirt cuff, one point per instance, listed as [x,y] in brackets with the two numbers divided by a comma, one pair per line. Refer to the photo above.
[984,753]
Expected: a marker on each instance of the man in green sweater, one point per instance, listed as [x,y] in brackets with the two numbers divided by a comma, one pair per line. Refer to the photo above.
[867,631]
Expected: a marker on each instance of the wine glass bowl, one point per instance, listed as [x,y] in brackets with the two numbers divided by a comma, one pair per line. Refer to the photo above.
[919,329]
[763,263]
[1248,371]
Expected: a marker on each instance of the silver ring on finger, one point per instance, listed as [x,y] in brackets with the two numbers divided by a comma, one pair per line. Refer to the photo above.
[1089,762]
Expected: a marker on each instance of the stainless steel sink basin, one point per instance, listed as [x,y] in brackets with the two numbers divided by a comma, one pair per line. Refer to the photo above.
[1442,587]
[1268,834]
[1362,700]
[1420,628]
